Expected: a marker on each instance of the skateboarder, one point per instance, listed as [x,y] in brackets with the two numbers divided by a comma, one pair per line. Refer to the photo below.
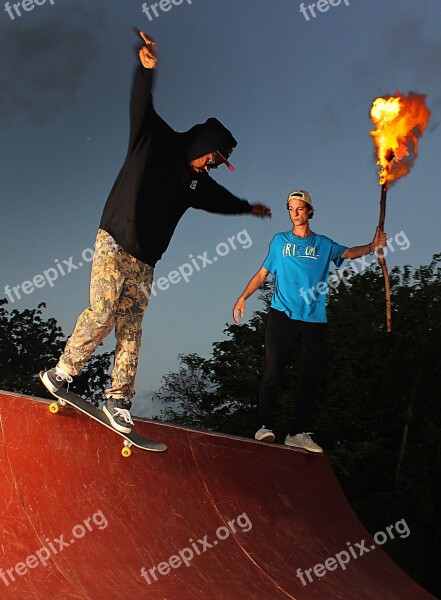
[163,175]
[300,260]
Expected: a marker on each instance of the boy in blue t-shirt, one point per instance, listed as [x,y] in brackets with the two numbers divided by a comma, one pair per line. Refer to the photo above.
[300,261]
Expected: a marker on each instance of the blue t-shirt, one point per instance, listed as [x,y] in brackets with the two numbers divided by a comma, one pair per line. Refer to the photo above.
[301,269]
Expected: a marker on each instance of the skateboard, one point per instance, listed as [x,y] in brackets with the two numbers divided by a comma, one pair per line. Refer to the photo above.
[130,439]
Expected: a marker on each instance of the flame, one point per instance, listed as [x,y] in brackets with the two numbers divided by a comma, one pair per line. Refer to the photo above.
[399,123]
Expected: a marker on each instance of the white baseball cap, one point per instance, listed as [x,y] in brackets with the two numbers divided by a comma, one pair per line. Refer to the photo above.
[301,195]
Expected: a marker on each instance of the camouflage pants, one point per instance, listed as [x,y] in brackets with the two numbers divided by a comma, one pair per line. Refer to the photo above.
[119,295]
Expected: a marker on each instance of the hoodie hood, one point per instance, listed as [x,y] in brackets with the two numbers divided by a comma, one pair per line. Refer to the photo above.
[208,137]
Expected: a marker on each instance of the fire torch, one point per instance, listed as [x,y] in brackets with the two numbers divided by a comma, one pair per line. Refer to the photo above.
[399,123]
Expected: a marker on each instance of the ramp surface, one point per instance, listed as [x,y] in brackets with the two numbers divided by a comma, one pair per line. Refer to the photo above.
[215,517]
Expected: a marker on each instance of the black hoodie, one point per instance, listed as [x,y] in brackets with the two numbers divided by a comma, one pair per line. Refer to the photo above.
[156,185]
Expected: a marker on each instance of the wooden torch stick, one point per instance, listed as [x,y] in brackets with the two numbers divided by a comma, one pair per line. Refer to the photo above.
[382,260]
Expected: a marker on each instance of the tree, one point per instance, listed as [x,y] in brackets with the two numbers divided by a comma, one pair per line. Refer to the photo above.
[189,394]
[28,343]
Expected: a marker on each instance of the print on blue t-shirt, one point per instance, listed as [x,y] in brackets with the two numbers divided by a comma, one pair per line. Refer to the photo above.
[301,263]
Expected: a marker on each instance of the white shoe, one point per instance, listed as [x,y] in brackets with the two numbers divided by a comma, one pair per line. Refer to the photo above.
[265,435]
[302,440]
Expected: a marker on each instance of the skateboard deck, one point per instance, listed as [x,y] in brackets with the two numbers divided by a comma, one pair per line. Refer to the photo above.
[130,439]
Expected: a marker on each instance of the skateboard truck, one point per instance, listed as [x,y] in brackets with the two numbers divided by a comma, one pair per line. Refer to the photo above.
[126,452]
[54,407]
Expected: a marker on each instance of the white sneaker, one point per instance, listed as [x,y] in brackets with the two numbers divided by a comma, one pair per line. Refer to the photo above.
[302,440]
[265,435]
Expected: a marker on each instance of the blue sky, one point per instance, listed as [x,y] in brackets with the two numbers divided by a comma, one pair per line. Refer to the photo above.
[295,93]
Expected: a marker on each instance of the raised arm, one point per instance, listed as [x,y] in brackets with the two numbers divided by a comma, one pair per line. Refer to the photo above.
[142,112]
[254,284]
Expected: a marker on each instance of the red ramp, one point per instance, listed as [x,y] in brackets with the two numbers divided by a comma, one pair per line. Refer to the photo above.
[215,517]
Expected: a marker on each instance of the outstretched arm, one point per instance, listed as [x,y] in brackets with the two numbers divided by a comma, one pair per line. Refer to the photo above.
[379,241]
[213,197]
[253,285]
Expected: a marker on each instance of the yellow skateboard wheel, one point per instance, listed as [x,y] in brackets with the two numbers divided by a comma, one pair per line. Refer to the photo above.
[126,452]
[54,408]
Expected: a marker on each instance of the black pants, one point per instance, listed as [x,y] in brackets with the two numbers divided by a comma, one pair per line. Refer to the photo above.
[281,336]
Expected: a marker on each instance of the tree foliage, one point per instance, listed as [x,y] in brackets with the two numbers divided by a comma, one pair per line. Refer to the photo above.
[29,344]
[379,415]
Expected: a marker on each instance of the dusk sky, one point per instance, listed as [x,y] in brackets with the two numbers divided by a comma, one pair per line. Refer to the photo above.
[294,89]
